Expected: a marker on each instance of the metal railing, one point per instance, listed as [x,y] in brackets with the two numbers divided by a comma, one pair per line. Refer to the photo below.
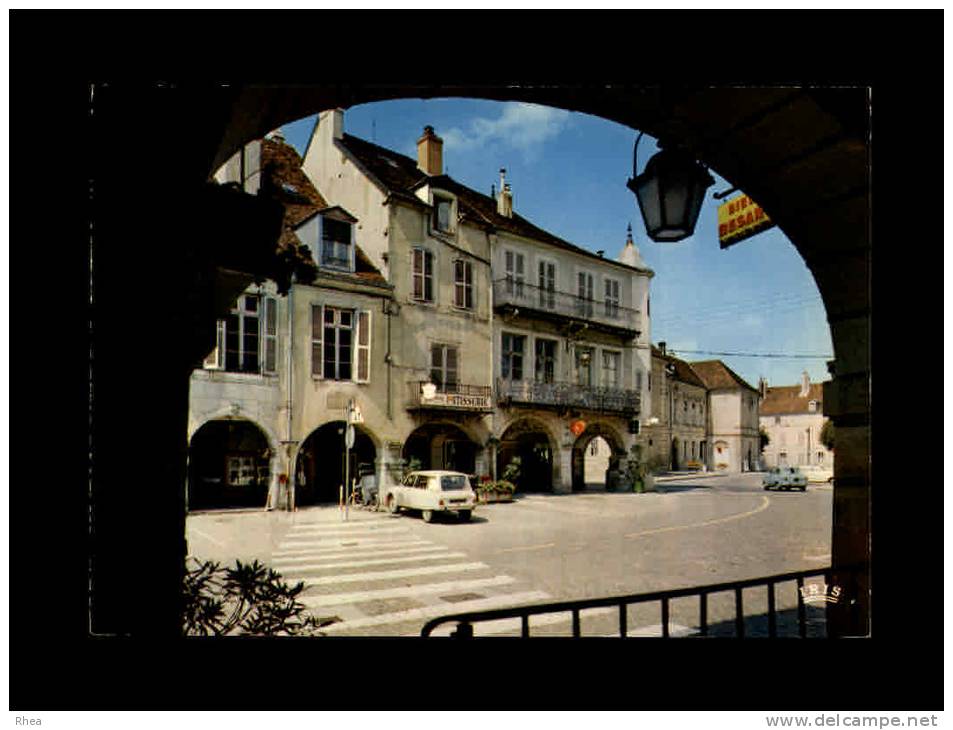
[527,296]
[452,395]
[569,395]
[465,621]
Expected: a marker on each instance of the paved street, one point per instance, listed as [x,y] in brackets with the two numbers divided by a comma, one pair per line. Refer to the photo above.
[385,575]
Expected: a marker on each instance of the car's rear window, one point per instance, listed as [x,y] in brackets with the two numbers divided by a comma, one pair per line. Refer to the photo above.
[452,483]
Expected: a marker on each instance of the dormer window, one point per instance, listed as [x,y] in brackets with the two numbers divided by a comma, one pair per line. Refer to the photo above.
[337,251]
[812,406]
[442,214]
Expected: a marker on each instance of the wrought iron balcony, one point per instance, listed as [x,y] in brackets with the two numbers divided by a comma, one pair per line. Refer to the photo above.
[451,396]
[552,304]
[568,395]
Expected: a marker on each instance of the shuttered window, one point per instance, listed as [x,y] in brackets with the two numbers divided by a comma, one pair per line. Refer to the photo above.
[216,358]
[317,326]
[463,284]
[363,346]
[422,275]
[270,336]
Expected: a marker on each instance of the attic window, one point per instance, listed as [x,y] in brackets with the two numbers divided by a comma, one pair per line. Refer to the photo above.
[812,406]
[289,187]
[442,213]
[336,249]
[390,162]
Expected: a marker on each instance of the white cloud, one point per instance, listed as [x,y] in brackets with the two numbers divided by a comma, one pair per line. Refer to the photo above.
[523,127]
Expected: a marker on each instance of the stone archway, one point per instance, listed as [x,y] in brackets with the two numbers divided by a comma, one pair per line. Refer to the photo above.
[442,445]
[527,443]
[617,452]
[229,465]
[320,464]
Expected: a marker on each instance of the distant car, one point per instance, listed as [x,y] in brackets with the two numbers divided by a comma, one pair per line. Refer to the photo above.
[432,492]
[785,477]
[819,474]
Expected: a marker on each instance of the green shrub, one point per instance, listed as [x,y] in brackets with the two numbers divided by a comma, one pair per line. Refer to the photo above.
[250,600]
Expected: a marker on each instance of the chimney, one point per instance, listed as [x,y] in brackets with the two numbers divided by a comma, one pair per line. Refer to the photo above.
[335,119]
[805,384]
[504,203]
[763,388]
[430,152]
[661,346]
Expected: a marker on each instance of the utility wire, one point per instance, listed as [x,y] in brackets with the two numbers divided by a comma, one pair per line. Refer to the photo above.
[751,354]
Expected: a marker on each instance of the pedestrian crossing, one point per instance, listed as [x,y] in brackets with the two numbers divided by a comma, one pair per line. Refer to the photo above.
[377,578]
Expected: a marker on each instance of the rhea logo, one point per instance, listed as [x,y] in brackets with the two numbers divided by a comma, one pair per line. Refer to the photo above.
[820,593]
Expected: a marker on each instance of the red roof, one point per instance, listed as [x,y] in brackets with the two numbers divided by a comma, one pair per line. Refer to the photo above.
[718,376]
[787,399]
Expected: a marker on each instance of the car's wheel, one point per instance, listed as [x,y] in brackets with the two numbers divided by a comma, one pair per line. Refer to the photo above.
[427,514]
[766,487]
[392,504]
[803,487]
[465,515]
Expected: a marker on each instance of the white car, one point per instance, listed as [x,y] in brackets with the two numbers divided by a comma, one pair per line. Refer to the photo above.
[785,477]
[819,474]
[432,492]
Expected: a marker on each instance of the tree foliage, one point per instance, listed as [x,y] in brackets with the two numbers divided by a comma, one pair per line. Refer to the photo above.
[827,434]
[249,599]
[765,439]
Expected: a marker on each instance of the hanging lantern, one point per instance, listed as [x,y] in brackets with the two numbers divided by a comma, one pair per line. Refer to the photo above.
[670,192]
[577,427]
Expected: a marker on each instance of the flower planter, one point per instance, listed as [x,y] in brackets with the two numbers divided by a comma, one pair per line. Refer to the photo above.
[489,497]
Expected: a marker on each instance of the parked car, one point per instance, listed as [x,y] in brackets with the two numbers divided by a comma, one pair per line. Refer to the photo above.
[432,492]
[785,477]
[819,474]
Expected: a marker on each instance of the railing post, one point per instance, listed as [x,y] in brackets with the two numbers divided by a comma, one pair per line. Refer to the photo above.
[576,631]
[801,613]
[664,618]
[524,625]
[739,614]
[703,613]
[772,620]
[623,620]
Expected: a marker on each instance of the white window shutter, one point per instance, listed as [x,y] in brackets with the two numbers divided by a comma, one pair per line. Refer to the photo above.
[363,370]
[269,329]
[317,331]
[216,358]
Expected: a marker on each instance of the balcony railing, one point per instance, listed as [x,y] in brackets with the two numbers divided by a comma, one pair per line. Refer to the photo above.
[523,295]
[456,396]
[568,395]
[818,594]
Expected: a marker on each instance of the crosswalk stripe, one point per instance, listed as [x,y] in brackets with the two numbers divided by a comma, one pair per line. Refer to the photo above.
[341,536]
[311,567]
[416,614]
[503,625]
[391,574]
[406,591]
[352,553]
[348,529]
[338,546]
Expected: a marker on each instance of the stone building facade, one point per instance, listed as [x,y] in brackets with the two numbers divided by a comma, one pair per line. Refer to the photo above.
[732,418]
[677,427]
[792,417]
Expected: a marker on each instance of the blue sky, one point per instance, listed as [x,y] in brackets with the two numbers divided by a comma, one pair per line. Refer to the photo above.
[568,173]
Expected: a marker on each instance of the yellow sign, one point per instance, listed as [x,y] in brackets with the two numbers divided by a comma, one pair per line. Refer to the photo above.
[739,219]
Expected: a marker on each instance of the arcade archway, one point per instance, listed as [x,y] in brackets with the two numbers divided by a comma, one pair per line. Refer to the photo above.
[527,443]
[613,449]
[320,465]
[229,466]
[441,446]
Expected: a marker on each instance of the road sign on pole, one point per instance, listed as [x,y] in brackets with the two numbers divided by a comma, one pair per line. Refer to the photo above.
[349,437]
